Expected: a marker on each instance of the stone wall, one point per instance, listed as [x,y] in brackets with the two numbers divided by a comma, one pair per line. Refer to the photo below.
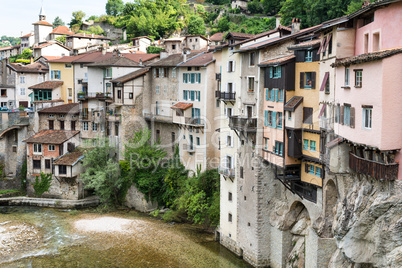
[135,199]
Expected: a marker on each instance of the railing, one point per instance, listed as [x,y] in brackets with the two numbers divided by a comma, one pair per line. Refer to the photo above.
[379,171]
[246,124]
[225,96]
[227,172]
[218,76]
[93,95]
[188,147]
[194,121]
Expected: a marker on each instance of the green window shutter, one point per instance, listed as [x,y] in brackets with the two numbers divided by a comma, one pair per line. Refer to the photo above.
[274,119]
[301,80]
[199,95]
[279,71]
[276,95]
[104,73]
[266,118]
[199,77]
[266,94]
[271,72]
[185,94]
[192,78]
[192,95]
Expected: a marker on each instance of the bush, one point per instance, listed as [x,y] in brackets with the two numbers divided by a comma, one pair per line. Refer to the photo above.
[154,50]
[42,185]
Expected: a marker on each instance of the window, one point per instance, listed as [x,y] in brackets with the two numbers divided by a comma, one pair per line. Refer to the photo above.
[116,129]
[305,144]
[130,96]
[307,80]
[51,124]
[308,56]
[47,163]
[358,78]
[52,147]
[251,84]
[94,127]
[311,169]
[252,58]
[198,141]
[22,79]
[37,148]
[307,115]
[312,146]
[376,42]
[119,94]
[36,164]
[62,170]
[229,141]
[367,117]
[189,69]
[67,66]
[230,217]
[70,93]
[4,93]
[157,90]
[157,111]
[229,112]
[346,115]
[318,171]
[173,46]
[174,73]
[275,72]
[279,119]
[230,196]
[156,72]
[73,125]
[22,91]
[326,89]
[266,143]
[280,95]
[108,73]
[278,149]
[173,141]
[61,125]
[85,126]
[366,42]
[108,87]
[290,115]
[346,76]
[230,66]
[55,74]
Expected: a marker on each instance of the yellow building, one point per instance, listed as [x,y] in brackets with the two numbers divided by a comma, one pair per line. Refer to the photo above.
[307,89]
[63,70]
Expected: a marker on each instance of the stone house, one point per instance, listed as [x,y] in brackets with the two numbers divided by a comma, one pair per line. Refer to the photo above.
[50,48]
[82,40]
[141,43]
[45,91]
[7,52]
[27,41]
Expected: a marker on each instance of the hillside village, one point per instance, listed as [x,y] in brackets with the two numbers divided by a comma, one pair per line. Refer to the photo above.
[303,125]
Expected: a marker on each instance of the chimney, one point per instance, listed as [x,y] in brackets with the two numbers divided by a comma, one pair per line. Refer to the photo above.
[277,20]
[31,59]
[295,25]
[84,33]
[140,62]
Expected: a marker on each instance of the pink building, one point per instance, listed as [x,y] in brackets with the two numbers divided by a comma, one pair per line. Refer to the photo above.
[368,97]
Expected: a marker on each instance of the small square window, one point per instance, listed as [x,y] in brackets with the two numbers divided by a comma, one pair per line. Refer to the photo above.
[230,196]
[230,217]
[52,147]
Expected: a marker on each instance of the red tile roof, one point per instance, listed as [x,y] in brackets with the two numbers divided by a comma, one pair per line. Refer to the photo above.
[51,136]
[140,56]
[42,22]
[131,76]
[70,108]
[174,59]
[182,105]
[378,55]
[277,61]
[50,43]
[6,48]
[240,35]
[35,67]
[27,35]
[292,104]
[217,37]
[67,59]
[62,30]
[94,56]
[89,36]
[115,61]
[49,58]
[69,159]
[200,60]
[47,85]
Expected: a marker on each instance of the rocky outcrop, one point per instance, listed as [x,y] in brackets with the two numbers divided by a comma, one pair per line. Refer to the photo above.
[368,226]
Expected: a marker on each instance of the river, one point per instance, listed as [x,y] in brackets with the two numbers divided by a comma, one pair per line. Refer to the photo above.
[41,237]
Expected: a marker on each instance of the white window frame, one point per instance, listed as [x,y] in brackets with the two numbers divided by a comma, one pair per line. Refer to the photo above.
[347,76]
[22,91]
[248,83]
[85,126]
[37,148]
[52,148]
[370,122]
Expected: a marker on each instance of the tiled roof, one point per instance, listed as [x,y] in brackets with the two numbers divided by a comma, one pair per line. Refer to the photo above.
[130,76]
[89,36]
[67,59]
[6,48]
[69,159]
[51,136]
[27,35]
[50,43]
[49,58]
[70,108]
[115,61]
[292,104]
[200,60]
[35,67]
[42,22]
[277,61]
[139,37]
[47,85]
[62,30]
[140,56]
[94,56]
[378,55]
[182,105]
[217,37]
[240,35]
[174,59]
[174,39]
[306,44]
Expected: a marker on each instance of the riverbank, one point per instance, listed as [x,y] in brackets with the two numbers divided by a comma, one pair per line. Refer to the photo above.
[91,201]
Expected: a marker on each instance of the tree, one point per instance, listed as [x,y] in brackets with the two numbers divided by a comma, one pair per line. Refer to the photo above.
[43,184]
[77,18]
[26,53]
[62,39]
[293,9]
[355,5]
[58,22]
[254,6]
[96,30]
[196,25]
[271,7]
[114,7]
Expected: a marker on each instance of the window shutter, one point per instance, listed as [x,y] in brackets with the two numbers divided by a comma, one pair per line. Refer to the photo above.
[266,118]
[227,66]
[271,72]
[322,45]
[352,117]
[199,78]
[306,168]
[341,114]
[199,95]
[301,80]
[274,119]
[52,74]
[279,71]
[324,82]
[313,80]
[266,94]
[275,95]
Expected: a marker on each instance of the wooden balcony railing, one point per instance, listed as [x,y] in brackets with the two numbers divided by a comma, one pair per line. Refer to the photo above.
[379,171]
[225,96]
[246,124]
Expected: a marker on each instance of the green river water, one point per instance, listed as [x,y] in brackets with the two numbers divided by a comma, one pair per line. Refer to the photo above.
[43,237]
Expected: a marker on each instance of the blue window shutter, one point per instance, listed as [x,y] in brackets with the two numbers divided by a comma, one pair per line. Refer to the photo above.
[199,77]
[266,118]
[199,95]
[192,112]
[52,75]
[279,71]
[272,95]
[192,78]
[185,94]
[266,94]
[276,95]
[274,119]
[192,95]
[271,71]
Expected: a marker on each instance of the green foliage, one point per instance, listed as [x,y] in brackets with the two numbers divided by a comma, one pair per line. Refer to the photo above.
[23,175]
[62,39]
[9,41]
[58,22]
[76,20]
[95,30]
[114,7]
[254,6]
[244,25]
[196,25]
[102,172]
[2,172]
[26,53]
[9,191]
[43,184]
[355,5]
[271,7]
[219,2]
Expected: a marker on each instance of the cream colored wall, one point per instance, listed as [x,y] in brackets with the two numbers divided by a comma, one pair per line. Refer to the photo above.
[310,178]
[67,76]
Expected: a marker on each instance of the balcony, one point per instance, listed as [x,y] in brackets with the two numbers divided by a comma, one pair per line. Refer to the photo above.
[246,124]
[325,123]
[114,117]
[225,96]
[158,118]
[188,148]
[379,171]
[227,172]
[197,122]
[92,95]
